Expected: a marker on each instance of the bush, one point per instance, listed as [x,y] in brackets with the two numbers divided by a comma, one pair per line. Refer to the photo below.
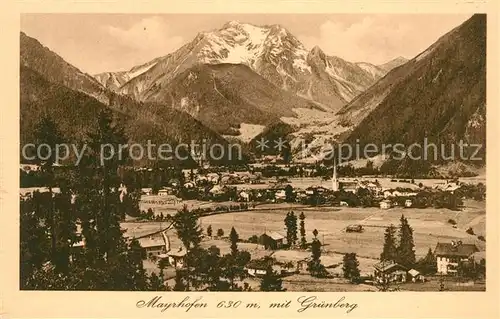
[481,238]
[470,231]
[452,221]
[253,239]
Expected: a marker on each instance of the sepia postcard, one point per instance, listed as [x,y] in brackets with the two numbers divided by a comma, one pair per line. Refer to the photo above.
[224,159]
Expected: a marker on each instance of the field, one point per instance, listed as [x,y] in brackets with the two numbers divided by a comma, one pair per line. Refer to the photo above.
[429,226]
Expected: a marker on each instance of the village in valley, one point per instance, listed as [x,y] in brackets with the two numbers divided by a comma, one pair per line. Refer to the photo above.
[306,226]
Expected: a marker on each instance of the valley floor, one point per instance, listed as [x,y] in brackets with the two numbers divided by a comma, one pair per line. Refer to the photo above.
[429,227]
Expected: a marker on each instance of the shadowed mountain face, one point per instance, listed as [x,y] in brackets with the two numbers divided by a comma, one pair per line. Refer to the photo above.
[394,63]
[75,114]
[270,51]
[439,95]
[73,100]
[223,96]
[39,58]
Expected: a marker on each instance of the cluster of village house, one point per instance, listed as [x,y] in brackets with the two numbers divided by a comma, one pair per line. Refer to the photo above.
[223,183]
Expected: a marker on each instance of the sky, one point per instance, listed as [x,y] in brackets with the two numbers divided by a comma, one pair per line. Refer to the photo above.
[116,42]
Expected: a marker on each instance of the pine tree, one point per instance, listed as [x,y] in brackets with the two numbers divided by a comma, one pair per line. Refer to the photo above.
[187,228]
[107,262]
[293,226]
[233,237]
[316,269]
[47,132]
[350,267]
[179,281]
[189,232]
[271,281]
[34,242]
[406,248]
[303,241]
[315,233]
[155,283]
[290,198]
[389,252]
[209,231]
[427,265]
[288,225]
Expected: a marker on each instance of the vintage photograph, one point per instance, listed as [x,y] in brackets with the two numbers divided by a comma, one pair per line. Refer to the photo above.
[252,152]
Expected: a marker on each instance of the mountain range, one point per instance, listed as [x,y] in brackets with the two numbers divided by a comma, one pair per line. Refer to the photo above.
[271,52]
[242,81]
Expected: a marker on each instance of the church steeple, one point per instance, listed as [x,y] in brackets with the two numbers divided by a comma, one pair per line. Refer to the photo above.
[335,182]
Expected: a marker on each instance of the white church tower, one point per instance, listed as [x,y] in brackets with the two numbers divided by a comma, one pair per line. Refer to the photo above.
[335,181]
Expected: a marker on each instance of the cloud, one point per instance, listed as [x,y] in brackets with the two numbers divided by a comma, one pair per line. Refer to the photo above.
[149,36]
[380,38]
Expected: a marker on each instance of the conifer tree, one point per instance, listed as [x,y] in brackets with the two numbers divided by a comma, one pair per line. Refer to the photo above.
[233,237]
[389,252]
[303,241]
[427,265]
[350,267]
[189,232]
[288,225]
[271,281]
[316,269]
[406,248]
[293,230]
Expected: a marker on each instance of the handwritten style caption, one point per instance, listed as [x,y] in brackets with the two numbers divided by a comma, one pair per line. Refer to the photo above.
[301,304]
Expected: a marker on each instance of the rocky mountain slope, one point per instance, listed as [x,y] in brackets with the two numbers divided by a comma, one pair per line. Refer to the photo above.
[392,64]
[223,96]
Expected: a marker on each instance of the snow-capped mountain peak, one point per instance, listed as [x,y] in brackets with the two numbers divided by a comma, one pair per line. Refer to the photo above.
[249,44]
[271,51]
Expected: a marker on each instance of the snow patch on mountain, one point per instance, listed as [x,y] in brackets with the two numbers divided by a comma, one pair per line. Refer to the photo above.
[235,43]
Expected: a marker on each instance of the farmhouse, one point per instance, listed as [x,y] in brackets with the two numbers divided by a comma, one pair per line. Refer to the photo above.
[165,191]
[415,275]
[30,167]
[153,246]
[272,240]
[449,255]
[373,187]
[408,203]
[349,186]
[176,258]
[243,196]
[280,196]
[385,204]
[389,271]
[258,267]
[354,229]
